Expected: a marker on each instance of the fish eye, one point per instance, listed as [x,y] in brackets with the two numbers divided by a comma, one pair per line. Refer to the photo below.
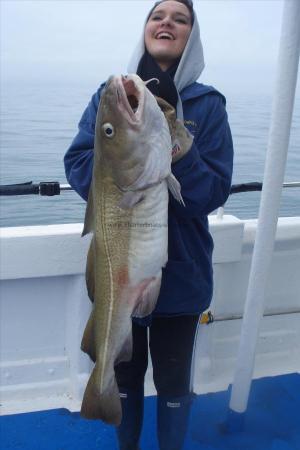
[108,130]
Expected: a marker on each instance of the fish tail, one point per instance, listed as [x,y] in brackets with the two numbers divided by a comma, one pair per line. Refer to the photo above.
[105,405]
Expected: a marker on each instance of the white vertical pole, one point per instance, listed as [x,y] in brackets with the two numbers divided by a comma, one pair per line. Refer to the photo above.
[278,142]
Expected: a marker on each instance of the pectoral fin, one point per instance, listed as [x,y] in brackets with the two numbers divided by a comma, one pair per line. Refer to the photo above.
[175,188]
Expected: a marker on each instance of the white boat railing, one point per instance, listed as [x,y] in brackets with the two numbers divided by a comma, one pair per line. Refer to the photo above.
[44,308]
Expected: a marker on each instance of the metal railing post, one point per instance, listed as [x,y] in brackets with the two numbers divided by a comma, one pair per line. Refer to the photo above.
[278,142]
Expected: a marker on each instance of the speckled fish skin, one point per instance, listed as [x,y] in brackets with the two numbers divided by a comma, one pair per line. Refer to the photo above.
[127,212]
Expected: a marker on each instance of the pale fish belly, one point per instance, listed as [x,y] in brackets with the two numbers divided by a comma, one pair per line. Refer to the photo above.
[148,237]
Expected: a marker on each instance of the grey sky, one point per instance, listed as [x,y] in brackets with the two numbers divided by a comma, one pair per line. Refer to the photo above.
[86,41]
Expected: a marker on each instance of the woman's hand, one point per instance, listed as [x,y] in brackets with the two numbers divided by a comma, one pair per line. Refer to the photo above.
[181,138]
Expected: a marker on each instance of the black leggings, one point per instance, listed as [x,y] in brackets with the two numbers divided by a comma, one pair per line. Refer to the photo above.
[171,341]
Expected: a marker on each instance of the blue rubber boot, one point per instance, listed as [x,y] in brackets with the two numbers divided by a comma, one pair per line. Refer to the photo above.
[172,421]
[129,431]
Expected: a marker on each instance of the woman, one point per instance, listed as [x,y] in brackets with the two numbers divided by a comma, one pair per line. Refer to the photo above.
[171,50]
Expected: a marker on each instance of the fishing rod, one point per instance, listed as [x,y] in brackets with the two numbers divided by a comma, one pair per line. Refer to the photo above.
[44,188]
[256,186]
[51,188]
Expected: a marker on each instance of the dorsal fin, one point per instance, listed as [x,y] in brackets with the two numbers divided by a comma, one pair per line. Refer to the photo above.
[89,215]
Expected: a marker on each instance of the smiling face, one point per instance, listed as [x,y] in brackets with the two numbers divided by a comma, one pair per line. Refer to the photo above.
[167,32]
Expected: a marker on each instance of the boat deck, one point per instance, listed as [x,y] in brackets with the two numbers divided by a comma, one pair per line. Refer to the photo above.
[271,423]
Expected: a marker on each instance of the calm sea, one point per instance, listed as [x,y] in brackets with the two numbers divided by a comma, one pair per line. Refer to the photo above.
[39,122]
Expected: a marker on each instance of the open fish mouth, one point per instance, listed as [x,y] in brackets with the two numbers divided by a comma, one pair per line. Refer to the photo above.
[130,98]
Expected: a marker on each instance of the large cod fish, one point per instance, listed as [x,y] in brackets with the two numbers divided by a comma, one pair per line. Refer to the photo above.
[127,212]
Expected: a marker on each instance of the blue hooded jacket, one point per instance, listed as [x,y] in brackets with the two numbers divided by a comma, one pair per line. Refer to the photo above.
[204,174]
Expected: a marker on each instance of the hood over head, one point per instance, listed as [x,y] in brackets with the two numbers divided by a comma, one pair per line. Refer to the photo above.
[191,62]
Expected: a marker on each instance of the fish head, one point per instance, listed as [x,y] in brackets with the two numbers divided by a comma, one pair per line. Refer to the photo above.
[129,122]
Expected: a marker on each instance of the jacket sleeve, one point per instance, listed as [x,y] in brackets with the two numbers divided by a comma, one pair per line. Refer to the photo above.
[205,172]
[79,157]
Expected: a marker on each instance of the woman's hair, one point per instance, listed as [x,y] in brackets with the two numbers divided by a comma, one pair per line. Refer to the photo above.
[187,3]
